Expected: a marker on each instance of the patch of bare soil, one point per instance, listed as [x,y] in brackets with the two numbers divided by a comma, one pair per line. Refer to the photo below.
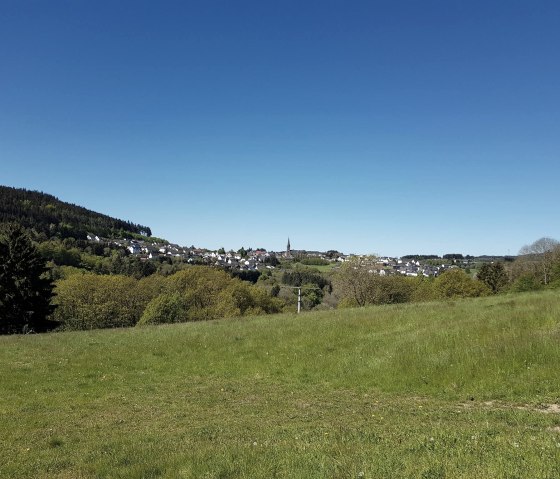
[543,408]
[551,409]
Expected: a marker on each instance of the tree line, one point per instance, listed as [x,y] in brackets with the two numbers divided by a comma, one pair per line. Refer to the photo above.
[536,267]
[33,297]
[49,217]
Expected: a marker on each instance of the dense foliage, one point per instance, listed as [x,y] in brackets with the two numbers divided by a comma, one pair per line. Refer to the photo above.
[48,216]
[25,291]
[300,277]
[89,301]
[355,285]
[494,276]
[100,258]
[455,283]
[165,308]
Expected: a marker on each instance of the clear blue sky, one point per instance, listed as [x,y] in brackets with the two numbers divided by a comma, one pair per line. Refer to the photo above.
[389,127]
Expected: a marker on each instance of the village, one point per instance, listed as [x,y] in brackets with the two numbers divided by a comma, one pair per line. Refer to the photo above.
[261,259]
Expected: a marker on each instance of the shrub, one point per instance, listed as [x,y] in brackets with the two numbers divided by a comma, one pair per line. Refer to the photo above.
[526,282]
[89,301]
[165,308]
[455,283]
[210,293]
[424,289]
[356,286]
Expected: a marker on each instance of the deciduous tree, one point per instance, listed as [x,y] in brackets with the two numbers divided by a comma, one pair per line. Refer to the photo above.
[352,283]
[542,253]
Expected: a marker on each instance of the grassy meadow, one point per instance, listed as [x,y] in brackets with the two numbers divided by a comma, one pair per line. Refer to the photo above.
[462,389]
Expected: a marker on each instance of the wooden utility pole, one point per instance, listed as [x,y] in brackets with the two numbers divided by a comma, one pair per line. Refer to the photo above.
[299,288]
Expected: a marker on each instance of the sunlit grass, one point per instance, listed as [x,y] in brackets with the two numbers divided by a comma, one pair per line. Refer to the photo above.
[454,389]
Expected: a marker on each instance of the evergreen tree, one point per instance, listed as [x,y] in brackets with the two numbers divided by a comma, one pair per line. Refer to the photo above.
[25,292]
[49,217]
[494,276]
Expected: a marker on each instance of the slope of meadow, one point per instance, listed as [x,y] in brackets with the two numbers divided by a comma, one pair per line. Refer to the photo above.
[464,389]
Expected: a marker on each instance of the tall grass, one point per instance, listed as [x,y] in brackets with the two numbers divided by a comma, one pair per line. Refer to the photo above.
[452,389]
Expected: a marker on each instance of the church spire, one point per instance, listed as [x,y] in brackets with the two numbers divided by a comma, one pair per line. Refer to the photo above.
[288,248]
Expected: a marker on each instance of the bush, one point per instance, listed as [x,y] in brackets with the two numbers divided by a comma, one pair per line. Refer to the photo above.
[165,308]
[356,286]
[89,301]
[395,289]
[455,283]
[526,283]
[211,293]
[424,290]
[200,287]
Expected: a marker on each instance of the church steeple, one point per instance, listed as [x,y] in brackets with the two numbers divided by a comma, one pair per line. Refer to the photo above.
[288,248]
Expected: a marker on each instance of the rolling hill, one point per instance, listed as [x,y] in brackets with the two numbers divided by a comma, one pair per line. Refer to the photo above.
[453,389]
[48,216]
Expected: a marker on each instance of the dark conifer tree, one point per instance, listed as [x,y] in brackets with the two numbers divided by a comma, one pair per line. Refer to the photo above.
[494,276]
[25,291]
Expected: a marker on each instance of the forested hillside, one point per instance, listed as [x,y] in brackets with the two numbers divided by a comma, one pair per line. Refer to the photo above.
[48,216]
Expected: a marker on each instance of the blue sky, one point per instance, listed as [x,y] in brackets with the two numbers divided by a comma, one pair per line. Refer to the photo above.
[370,127]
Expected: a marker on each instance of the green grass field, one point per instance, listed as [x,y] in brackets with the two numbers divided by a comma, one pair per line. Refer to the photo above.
[464,389]
[326,268]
